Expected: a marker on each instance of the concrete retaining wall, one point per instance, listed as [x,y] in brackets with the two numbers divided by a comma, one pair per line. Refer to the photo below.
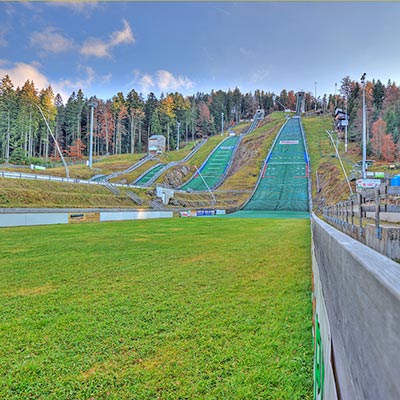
[39,217]
[360,290]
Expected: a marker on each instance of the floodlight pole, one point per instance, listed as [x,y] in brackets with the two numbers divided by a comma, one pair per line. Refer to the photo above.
[364,132]
[55,141]
[345,129]
[8,139]
[92,104]
[315,97]
[178,124]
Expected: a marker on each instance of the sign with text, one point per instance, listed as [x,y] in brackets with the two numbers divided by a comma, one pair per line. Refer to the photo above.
[368,183]
[289,142]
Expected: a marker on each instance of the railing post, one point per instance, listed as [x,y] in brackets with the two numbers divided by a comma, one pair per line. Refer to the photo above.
[352,210]
[360,213]
[378,229]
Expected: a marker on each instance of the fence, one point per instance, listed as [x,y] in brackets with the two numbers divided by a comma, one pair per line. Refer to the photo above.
[362,215]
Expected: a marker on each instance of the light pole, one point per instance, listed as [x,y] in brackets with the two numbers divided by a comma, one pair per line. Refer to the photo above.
[364,132]
[8,139]
[222,124]
[315,97]
[178,124]
[92,104]
[345,128]
[335,95]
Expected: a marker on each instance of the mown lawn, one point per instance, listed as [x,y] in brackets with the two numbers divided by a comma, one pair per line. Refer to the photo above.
[157,309]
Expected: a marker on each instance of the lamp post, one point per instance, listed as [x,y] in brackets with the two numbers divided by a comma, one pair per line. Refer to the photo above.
[364,132]
[345,128]
[178,124]
[92,104]
[222,124]
[315,97]
[8,139]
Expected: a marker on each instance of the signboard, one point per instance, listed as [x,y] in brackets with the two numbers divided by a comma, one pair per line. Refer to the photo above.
[205,213]
[289,142]
[76,218]
[380,175]
[368,183]
[38,167]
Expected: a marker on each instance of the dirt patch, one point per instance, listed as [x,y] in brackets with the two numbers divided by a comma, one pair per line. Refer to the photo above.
[331,184]
[176,176]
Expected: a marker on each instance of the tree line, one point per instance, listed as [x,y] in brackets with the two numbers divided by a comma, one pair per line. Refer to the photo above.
[123,124]
[382,112]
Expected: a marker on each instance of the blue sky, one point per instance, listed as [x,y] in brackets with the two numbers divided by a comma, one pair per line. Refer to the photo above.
[106,47]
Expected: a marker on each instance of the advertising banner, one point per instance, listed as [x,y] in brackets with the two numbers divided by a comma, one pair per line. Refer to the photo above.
[368,183]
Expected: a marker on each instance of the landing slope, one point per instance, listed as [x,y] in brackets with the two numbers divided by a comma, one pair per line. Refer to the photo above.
[283,182]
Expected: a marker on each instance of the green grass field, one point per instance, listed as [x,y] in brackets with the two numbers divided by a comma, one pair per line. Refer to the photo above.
[157,309]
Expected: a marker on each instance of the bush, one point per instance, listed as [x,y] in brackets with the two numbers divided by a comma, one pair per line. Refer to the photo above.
[18,157]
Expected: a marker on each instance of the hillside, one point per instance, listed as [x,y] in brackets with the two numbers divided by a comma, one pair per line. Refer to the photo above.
[238,186]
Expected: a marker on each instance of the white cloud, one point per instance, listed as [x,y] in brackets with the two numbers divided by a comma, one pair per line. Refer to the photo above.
[248,53]
[95,47]
[51,40]
[3,41]
[124,36]
[20,72]
[146,81]
[259,75]
[100,48]
[78,7]
[162,80]
[166,81]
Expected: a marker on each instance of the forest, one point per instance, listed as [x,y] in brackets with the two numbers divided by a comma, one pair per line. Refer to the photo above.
[123,124]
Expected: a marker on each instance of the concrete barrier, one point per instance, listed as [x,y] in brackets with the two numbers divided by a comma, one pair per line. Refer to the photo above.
[357,305]
[30,217]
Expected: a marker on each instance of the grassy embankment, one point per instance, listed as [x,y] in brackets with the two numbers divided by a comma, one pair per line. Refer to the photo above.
[26,193]
[324,161]
[166,309]
[50,194]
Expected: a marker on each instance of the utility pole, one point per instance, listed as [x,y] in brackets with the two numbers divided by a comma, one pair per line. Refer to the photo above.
[364,132]
[222,124]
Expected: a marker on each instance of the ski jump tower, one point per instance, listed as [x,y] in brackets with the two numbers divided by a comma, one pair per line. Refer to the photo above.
[300,105]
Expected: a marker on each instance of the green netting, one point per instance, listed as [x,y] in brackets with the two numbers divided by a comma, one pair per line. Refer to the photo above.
[215,167]
[145,178]
[284,182]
